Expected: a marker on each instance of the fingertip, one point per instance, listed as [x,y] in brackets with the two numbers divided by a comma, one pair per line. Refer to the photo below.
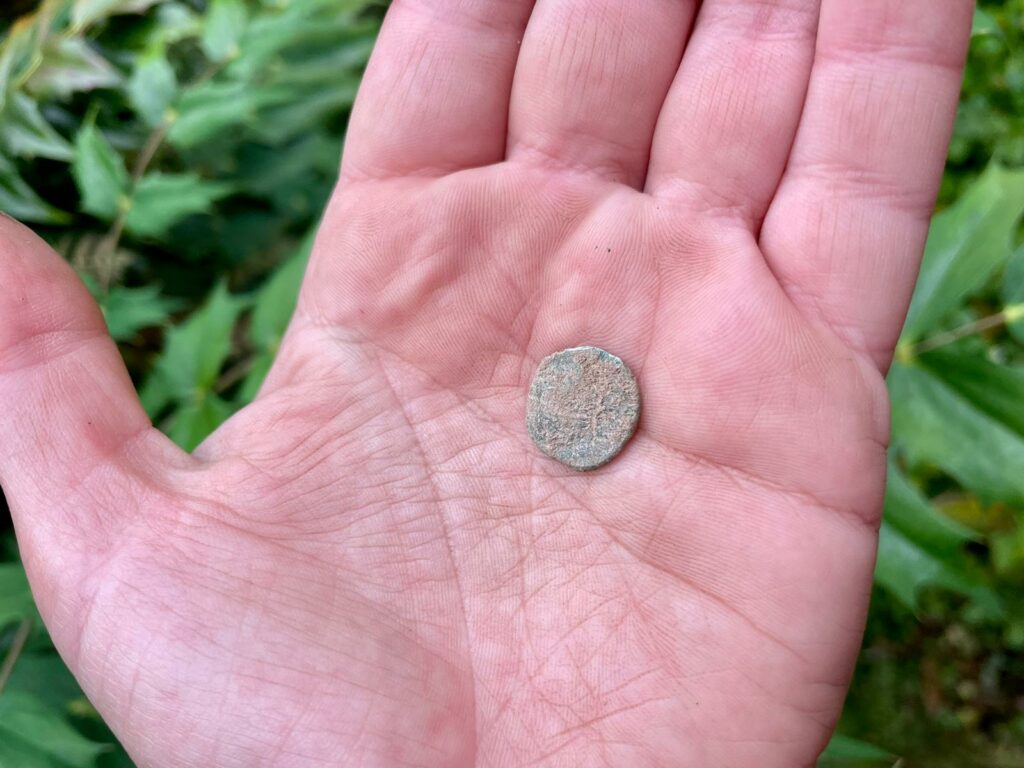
[41,298]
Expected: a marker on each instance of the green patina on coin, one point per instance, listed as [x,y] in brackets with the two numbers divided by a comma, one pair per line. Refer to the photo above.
[583,407]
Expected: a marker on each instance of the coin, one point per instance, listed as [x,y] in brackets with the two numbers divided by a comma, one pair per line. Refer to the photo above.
[583,407]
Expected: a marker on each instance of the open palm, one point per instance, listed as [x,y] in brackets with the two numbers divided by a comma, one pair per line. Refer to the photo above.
[372,564]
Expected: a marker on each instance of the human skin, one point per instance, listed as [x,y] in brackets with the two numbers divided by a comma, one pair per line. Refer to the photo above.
[372,565]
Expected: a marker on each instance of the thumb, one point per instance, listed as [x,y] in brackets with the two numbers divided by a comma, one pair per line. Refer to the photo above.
[74,438]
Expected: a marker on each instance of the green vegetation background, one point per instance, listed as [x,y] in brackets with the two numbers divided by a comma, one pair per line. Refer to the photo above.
[179,152]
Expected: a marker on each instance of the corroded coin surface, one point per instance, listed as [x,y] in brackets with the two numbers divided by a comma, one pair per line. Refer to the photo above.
[583,407]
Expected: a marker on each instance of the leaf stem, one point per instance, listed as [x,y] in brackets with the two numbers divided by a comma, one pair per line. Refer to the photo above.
[980,325]
[148,151]
[14,652]
[234,374]
[108,245]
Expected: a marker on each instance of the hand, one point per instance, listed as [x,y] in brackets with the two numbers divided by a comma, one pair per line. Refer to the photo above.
[372,564]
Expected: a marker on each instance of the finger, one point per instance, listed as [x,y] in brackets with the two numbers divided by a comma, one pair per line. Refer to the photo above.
[71,425]
[729,120]
[591,80]
[847,229]
[436,92]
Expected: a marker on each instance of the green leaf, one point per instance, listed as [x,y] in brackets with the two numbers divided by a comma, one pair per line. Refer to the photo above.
[153,87]
[842,750]
[254,379]
[86,12]
[288,173]
[32,731]
[344,57]
[24,132]
[155,395]
[997,390]
[967,243]
[196,350]
[194,422]
[1013,278]
[1008,553]
[19,200]
[15,52]
[272,311]
[1013,294]
[276,300]
[70,65]
[161,200]
[223,29]
[15,596]
[934,425]
[43,675]
[299,27]
[984,24]
[99,173]
[175,22]
[208,110]
[15,754]
[129,310]
[904,568]
[295,120]
[908,511]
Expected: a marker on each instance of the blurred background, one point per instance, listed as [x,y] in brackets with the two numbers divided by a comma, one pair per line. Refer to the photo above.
[179,152]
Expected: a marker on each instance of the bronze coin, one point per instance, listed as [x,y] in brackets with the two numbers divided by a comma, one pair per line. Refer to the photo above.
[583,407]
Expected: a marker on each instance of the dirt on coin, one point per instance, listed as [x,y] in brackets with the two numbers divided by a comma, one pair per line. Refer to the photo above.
[583,407]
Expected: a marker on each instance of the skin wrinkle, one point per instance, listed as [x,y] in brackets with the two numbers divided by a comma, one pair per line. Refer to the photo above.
[870,53]
[766,28]
[718,600]
[857,182]
[869,519]
[600,45]
[701,460]
[448,544]
[66,341]
[264,540]
[884,68]
[764,20]
[119,452]
[717,464]
[462,16]
[477,44]
[537,157]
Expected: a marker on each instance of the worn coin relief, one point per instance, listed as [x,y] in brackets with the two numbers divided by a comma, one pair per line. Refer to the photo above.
[583,407]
